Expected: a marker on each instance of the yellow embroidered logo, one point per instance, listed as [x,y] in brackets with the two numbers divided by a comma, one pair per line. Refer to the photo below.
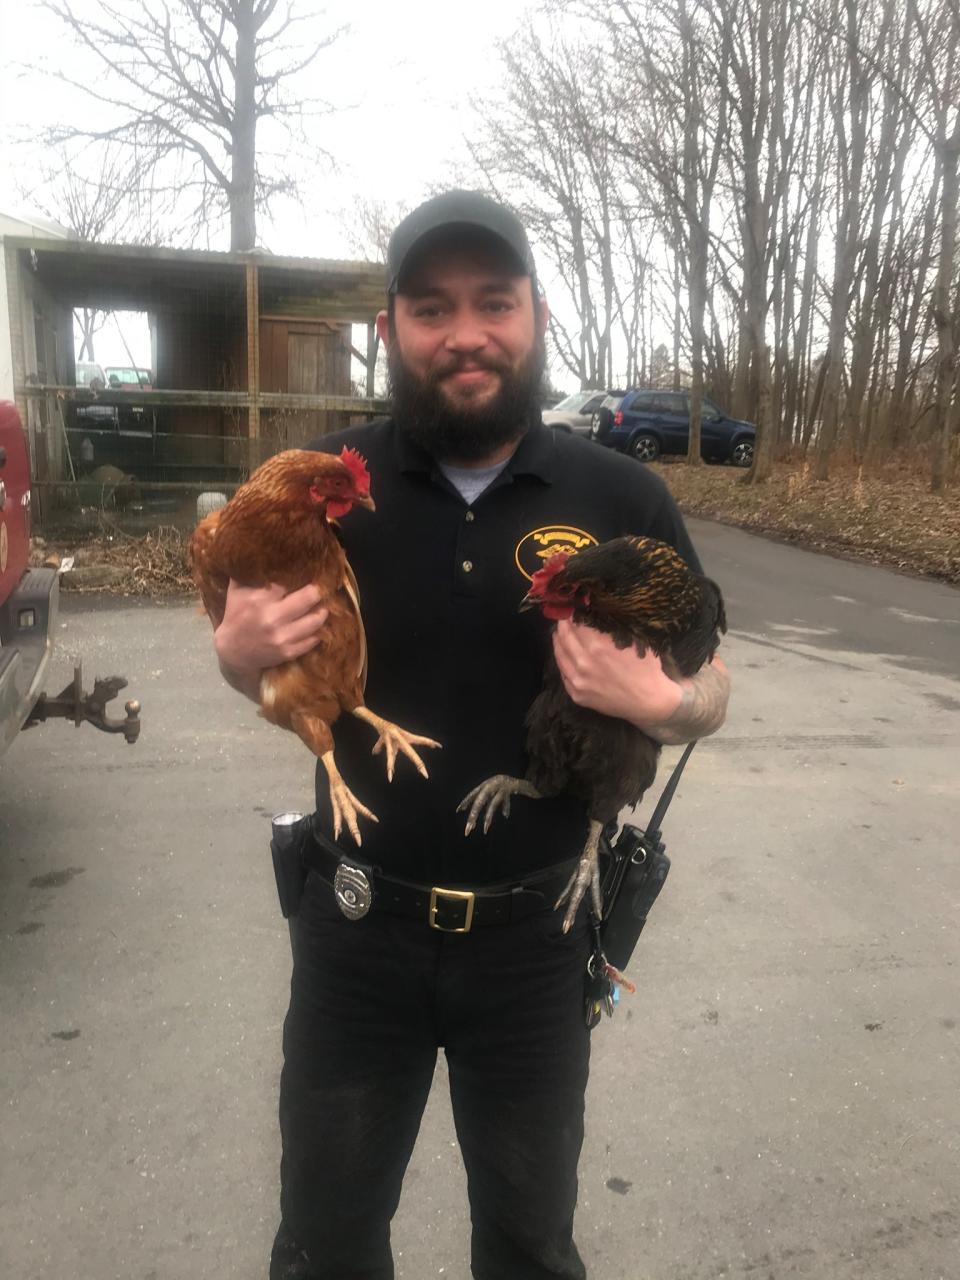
[537,547]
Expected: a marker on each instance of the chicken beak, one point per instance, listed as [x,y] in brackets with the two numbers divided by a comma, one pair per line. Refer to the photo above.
[366,501]
[528,602]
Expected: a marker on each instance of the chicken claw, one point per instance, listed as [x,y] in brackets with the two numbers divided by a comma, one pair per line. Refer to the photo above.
[586,872]
[343,802]
[495,793]
[395,739]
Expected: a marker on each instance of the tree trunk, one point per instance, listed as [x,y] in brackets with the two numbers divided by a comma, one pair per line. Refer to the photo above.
[677,315]
[850,112]
[742,403]
[941,305]
[807,291]
[243,218]
[698,302]
[697,291]
[755,228]
[87,323]
[697,218]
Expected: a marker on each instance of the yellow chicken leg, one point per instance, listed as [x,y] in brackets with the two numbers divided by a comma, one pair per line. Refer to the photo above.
[343,802]
[395,739]
[586,872]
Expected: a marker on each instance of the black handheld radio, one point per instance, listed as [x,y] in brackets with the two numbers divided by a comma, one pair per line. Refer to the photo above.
[633,873]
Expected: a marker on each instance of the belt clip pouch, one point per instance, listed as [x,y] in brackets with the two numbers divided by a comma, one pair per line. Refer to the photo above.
[289,831]
[634,877]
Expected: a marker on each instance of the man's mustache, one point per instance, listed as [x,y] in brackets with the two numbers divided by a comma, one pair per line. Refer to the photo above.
[464,365]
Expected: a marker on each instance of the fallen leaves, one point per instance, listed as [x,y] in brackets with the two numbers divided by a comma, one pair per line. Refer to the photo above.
[889,518]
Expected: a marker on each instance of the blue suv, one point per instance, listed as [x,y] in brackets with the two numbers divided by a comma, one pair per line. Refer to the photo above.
[647,424]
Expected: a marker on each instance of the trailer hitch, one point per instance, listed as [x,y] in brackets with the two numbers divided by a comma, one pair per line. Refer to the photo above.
[73,704]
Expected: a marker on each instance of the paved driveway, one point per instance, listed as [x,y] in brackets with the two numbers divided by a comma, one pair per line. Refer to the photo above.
[779,1099]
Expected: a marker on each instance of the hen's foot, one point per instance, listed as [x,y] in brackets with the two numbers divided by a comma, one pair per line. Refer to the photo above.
[587,872]
[495,793]
[395,739]
[343,802]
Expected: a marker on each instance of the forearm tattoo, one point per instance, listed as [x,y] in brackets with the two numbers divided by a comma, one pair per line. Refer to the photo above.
[702,708]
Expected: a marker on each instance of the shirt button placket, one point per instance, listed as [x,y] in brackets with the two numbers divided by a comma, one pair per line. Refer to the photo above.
[467,561]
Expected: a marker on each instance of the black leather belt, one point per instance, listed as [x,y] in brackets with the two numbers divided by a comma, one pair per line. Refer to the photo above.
[452,910]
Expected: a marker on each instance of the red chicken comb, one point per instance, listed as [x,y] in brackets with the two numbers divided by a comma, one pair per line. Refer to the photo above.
[356,465]
[540,581]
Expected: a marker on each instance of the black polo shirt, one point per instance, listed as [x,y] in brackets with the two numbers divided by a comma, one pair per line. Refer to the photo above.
[450,654]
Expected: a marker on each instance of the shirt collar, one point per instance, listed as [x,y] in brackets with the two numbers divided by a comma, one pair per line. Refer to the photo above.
[534,455]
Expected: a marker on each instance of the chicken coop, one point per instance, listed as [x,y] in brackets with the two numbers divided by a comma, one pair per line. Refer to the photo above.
[250,353]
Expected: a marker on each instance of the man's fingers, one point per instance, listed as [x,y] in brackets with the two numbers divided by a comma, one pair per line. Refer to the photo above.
[272,591]
[560,653]
[306,628]
[297,603]
[291,650]
[561,641]
[569,656]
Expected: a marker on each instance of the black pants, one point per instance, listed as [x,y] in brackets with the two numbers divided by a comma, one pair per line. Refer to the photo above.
[371,1002]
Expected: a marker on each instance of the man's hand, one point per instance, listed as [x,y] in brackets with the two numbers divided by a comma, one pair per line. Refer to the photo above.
[262,627]
[621,683]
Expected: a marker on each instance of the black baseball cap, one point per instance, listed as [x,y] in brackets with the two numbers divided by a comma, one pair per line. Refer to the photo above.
[469,209]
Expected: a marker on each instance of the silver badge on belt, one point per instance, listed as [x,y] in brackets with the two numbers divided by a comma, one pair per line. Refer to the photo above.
[352,890]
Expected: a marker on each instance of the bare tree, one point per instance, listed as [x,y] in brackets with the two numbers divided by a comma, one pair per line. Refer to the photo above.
[664,48]
[850,102]
[938,35]
[546,146]
[369,225]
[183,87]
[757,173]
[108,203]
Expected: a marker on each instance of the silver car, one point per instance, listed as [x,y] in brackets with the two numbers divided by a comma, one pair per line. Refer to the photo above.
[575,413]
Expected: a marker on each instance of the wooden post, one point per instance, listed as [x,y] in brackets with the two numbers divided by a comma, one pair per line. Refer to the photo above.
[373,342]
[253,364]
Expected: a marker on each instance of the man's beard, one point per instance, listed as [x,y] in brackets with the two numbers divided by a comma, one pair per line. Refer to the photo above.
[466,432]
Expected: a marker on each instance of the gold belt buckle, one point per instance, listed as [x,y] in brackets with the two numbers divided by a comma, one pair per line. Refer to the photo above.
[466,896]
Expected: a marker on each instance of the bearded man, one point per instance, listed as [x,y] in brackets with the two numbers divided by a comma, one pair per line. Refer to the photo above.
[461,948]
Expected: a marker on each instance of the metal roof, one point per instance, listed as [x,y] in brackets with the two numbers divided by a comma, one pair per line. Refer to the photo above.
[146,277]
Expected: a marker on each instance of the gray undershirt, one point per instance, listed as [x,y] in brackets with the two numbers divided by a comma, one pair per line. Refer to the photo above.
[470,482]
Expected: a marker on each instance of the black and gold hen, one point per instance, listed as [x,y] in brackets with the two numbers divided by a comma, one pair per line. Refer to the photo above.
[642,593]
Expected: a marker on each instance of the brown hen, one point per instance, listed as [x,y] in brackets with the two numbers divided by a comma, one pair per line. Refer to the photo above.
[278,528]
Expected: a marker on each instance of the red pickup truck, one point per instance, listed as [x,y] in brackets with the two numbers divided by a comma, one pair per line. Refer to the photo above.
[28,612]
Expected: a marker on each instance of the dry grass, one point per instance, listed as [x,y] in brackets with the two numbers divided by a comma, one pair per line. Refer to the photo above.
[888,518]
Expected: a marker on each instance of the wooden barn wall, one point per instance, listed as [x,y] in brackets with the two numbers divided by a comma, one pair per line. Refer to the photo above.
[42,348]
[309,357]
[201,346]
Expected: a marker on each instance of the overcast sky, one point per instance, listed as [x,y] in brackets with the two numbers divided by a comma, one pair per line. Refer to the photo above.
[405,75]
